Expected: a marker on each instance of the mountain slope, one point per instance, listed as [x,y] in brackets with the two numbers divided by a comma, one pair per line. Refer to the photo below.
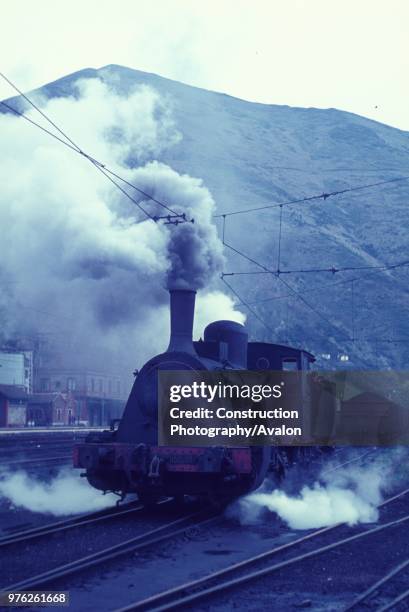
[251,155]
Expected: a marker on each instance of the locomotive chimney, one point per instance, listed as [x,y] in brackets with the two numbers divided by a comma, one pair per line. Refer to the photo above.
[182,312]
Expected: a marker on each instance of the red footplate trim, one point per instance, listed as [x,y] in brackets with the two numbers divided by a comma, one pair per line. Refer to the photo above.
[194,459]
[184,459]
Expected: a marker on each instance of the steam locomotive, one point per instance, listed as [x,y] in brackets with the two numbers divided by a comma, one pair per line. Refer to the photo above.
[128,459]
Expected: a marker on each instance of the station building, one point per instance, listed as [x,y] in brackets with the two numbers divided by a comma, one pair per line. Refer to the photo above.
[13,406]
[39,388]
[96,397]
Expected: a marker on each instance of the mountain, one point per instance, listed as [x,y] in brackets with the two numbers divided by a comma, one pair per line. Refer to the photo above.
[252,155]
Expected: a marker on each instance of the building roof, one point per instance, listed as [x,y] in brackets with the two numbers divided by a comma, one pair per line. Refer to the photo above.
[13,392]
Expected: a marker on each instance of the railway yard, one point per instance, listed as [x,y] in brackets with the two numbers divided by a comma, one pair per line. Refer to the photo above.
[172,557]
[203,290]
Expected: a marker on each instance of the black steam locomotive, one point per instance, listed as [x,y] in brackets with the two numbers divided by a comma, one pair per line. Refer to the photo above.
[128,459]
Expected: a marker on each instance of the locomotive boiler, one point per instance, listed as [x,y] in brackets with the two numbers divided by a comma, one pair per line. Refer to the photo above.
[128,459]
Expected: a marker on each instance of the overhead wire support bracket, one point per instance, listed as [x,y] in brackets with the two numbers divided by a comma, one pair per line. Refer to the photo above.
[108,173]
[279,241]
[224,229]
[173,219]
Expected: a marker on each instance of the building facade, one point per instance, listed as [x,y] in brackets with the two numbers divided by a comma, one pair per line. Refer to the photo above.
[13,406]
[96,397]
[16,368]
[38,389]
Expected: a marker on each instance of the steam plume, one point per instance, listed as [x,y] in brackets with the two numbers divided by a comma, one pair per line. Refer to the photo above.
[347,495]
[78,258]
[65,494]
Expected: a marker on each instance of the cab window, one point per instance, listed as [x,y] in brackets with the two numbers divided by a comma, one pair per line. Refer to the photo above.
[290,365]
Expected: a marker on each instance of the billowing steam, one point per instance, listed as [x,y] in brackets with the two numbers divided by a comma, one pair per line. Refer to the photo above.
[347,495]
[67,493]
[79,260]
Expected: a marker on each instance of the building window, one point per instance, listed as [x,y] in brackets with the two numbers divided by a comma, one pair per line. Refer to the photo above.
[57,384]
[101,385]
[92,384]
[58,415]
[71,384]
[44,384]
[109,386]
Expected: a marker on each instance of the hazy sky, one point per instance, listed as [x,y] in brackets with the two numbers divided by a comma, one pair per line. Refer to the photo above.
[348,54]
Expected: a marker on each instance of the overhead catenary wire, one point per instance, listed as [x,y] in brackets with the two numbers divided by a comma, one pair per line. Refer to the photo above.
[244,303]
[180,218]
[333,269]
[320,196]
[249,308]
[306,170]
[294,292]
[317,312]
[38,109]
[382,340]
[314,289]
[99,165]
[289,287]
[277,273]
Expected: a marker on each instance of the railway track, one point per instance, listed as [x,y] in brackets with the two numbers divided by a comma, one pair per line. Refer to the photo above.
[238,574]
[377,590]
[190,592]
[33,451]
[43,450]
[7,450]
[367,453]
[66,525]
[36,461]
[392,605]
[30,443]
[155,536]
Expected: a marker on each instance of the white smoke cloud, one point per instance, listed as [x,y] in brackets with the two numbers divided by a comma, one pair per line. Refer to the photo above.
[346,495]
[66,494]
[78,258]
[213,306]
[316,506]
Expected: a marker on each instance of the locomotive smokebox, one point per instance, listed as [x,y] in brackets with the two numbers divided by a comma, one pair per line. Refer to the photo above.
[182,312]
